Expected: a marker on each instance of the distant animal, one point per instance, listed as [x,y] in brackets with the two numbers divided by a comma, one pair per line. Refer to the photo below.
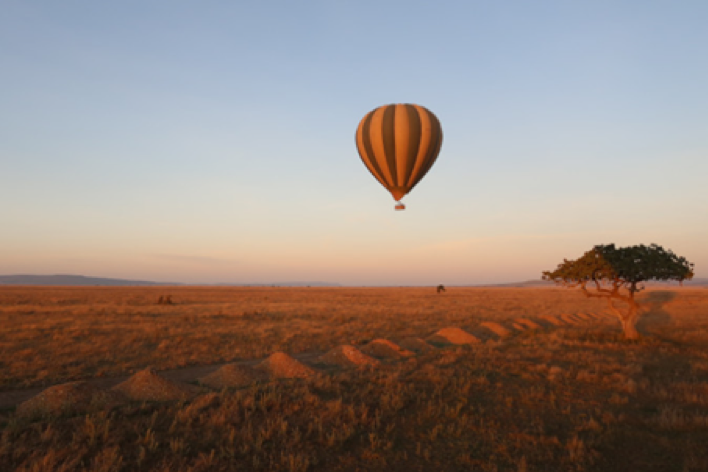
[441,288]
[165,300]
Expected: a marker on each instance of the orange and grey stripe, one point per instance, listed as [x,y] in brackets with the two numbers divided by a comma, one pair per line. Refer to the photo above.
[399,144]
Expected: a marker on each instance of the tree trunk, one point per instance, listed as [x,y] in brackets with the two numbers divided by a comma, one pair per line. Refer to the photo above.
[629,322]
[628,319]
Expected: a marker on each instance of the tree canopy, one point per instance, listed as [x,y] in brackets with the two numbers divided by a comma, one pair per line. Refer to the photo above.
[623,267]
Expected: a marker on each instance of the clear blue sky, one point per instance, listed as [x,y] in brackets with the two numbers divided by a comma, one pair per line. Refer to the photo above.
[214,141]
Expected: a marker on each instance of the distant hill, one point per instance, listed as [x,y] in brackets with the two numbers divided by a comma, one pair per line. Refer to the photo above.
[284,284]
[73,280]
[81,280]
[527,283]
[306,284]
[695,282]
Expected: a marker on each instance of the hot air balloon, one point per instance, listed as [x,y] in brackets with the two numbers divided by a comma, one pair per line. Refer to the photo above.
[398,144]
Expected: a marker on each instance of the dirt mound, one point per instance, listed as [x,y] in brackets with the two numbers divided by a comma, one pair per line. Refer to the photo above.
[148,385]
[384,348]
[453,336]
[416,345]
[570,319]
[553,320]
[346,356]
[281,366]
[584,317]
[67,399]
[495,328]
[233,375]
[527,323]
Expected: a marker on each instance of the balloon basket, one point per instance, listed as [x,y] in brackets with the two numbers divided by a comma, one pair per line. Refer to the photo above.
[400,206]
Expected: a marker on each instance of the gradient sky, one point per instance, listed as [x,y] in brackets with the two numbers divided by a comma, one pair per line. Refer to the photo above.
[213,141]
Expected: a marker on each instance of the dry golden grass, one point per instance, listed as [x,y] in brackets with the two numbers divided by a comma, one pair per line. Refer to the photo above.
[50,335]
[573,397]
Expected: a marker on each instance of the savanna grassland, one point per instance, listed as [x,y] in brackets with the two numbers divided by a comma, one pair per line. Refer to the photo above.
[530,380]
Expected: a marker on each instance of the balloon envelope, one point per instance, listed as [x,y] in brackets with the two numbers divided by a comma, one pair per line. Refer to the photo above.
[399,144]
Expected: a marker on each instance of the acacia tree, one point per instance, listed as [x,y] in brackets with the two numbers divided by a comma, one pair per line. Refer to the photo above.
[617,274]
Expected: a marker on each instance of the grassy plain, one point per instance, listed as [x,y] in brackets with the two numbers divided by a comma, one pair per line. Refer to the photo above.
[568,397]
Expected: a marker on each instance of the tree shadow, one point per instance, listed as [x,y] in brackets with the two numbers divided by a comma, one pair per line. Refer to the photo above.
[654,317]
